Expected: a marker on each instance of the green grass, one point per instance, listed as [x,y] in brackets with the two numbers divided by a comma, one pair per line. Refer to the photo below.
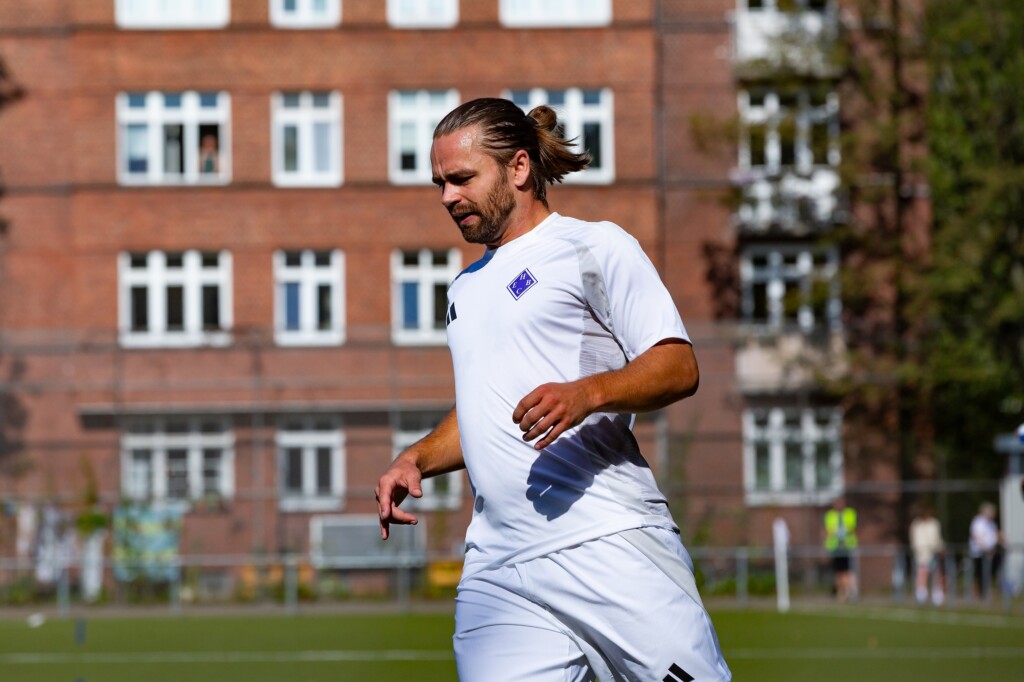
[856,643]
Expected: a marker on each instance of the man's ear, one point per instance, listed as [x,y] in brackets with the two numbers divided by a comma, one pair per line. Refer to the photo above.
[520,166]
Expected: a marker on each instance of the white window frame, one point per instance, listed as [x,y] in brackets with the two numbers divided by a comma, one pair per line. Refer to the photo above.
[411,428]
[161,435]
[555,13]
[305,117]
[771,114]
[790,263]
[817,426]
[180,14]
[152,116]
[155,278]
[423,13]
[304,16]
[426,275]
[574,113]
[310,434]
[422,110]
[310,277]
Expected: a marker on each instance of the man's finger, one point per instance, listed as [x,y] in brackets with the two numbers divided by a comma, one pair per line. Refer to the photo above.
[529,401]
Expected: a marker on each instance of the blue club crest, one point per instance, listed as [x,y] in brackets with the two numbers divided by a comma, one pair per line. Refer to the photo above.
[521,284]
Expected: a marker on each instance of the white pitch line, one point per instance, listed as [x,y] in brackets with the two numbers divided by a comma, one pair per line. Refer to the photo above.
[938,617]
[880,653]
[226,657]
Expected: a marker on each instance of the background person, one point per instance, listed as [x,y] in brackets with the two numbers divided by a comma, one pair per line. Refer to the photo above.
[927,547]
[840,541]
[984,550]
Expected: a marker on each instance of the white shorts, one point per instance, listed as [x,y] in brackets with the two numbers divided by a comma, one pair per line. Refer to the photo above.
[622,607]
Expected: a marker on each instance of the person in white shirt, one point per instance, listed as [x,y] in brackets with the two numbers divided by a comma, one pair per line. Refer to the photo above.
[559,334]
[927,546]
[983,546]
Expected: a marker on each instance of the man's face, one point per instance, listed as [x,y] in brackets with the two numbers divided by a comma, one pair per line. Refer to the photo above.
[475,190]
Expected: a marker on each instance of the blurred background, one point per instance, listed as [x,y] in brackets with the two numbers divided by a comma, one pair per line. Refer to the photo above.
[223,271]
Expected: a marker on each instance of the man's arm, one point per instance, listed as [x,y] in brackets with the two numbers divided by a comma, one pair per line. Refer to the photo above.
[660,376]
[439,452]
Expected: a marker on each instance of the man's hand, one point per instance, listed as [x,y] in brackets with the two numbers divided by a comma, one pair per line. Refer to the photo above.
[400,480]
[551,410]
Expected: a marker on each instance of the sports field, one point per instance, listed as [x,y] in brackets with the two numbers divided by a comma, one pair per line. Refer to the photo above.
[855,644]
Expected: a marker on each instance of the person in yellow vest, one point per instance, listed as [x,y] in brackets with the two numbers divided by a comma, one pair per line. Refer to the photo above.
[840,542]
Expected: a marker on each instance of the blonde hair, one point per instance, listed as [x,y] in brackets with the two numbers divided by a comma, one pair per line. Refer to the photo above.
[505,129]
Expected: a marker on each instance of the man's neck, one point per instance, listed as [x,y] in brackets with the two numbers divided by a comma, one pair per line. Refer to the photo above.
[524,219]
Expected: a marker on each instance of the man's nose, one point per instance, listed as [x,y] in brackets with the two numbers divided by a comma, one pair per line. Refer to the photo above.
[450,196]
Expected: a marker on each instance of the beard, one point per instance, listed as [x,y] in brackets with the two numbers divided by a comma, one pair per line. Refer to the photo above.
[493,214]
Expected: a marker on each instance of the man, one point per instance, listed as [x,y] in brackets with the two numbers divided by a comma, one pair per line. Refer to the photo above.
[984,549]
[559,333]
[841,541]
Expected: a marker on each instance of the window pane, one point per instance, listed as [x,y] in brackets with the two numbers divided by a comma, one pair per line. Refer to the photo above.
[556,98]
[293,471]
[291,306]
[140,475]
[323,301]
[293,259]
[172,100]
[211,472]
[137,148]
[175,308]
[209,149]
[174,149]
[290,100]
[407,145]
[140,309]
[440,305]
[321,100]
[822,466]
[592,143]
[136,100]
[591,96]
[757,143]
[410,305]
[174,260]
[291,148]
[794,466]
[323,471]
[759,294]
[177,474]
[439,258]
[322,147]
[208,100]
[762,467]
[211,306]
[322,259]
[210,259]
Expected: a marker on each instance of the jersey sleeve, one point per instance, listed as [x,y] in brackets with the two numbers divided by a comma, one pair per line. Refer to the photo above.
[626,293]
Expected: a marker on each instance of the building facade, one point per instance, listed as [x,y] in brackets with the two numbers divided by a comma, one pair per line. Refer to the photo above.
[223,274]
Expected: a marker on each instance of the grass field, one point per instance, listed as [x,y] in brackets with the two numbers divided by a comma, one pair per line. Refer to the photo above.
[855,643]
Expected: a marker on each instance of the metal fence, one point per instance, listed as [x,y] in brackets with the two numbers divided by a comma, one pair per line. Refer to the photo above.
[740,575]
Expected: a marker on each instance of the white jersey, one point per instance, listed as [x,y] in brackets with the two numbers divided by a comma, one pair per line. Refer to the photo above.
[566,300]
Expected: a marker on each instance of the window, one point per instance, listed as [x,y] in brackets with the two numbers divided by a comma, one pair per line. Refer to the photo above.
[788,130]
[543,13]
[177,459]
[419,294]
[785,5]
[306,144]
[311,462]
[161,14]
[586,116]
[790,285]
[442,492]
[309,304]
[174,298]
[305,13]
[423,13]
[173,138]
[412,117]
[792,455]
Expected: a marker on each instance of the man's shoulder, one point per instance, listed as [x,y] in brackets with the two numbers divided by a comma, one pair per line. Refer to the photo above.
[588,232]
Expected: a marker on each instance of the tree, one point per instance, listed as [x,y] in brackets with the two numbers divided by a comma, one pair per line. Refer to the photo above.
[975,340]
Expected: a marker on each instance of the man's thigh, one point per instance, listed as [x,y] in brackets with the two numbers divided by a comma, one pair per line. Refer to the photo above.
[502,637]
[632,598]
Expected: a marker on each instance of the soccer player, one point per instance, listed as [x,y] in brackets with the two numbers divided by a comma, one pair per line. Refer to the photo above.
[574,569]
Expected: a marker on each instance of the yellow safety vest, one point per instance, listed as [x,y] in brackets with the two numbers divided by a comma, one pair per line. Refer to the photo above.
[840,529]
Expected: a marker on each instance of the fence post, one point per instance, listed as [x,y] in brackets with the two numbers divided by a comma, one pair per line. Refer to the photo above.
[899,575]
[291,584]
[175,588]
[951,578]
[63,591]
[742,575]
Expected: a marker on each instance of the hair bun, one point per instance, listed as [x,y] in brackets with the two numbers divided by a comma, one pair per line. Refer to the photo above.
[544,117]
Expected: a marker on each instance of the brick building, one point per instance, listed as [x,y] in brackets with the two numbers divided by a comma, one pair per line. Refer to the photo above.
[221,272]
